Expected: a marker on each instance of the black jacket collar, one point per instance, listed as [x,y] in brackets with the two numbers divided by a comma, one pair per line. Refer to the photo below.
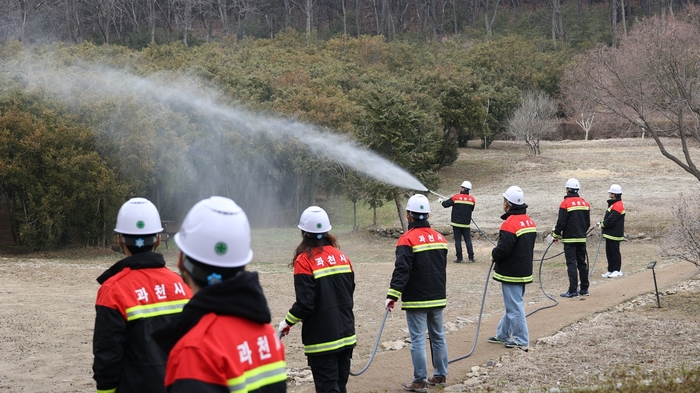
[418,224]
[240,295]
[515,210]
[142,260]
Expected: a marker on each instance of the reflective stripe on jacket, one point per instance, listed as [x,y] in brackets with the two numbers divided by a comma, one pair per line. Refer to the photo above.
[420,270]
[462,207]
[324,285]
[138,296]
[574,220]
[224,353]
[614,221]
[514,252]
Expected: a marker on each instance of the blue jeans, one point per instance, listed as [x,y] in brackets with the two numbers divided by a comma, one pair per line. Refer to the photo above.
[513,323]
[418,322]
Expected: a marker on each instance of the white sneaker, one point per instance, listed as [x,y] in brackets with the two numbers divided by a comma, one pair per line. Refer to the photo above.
[615,274]
[606,274]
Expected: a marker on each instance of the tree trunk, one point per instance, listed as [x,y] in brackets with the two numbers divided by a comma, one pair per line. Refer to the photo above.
[454,15]
[152,20]
[354,216]
[402,212]
[345,20]
[624,18]
[489,21]
[358,21]
[309,16]
[614,23]
[580,9]
[377,17]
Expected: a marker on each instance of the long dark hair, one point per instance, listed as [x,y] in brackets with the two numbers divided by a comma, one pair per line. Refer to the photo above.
[309,241]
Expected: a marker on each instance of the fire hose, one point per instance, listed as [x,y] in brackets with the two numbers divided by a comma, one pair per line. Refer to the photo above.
[483,300]
[600,238]
[376,344]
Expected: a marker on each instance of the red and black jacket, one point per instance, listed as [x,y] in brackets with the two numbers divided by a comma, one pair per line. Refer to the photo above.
[223,342]
[462,208]
[138,296]
[514,252]
[574,220]
[420,270]
[324,284]
[614,221]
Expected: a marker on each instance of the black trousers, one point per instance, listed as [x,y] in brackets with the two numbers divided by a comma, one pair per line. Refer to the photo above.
[576,267]
[331,371]
[612,252]
[465,233]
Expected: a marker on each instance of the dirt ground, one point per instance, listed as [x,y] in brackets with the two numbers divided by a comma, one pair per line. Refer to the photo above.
[47,312]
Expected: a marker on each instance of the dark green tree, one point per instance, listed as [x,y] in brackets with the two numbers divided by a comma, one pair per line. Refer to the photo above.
[52,180]
[402,132]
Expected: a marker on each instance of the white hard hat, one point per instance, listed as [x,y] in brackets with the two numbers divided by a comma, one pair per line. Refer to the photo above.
[314,220]
[216,232]
[514,195]
[615,189]
[418,204]
[467,185]
[573,184]
[138,216]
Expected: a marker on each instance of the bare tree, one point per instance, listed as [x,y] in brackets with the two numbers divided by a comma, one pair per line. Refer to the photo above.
[151,12]
[104,15]
[307,8]
[534,120]
[73,12]
[684,235]
[652,80]
[578,105]
[586,123]
[222,11]
[244,9]
[557,23]
[17,15]
[489,19]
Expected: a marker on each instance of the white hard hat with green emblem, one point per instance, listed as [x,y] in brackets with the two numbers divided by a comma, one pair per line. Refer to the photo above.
[418,204]
[514,195]
[216,232]
[314,220]
[138,216]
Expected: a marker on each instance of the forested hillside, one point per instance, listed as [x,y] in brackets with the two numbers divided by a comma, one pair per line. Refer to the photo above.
[84,124]
[140,23]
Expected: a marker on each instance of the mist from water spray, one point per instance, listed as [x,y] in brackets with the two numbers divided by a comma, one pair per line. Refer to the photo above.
[102,83]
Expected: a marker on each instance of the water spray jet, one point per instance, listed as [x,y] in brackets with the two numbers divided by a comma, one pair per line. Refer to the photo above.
[94,83]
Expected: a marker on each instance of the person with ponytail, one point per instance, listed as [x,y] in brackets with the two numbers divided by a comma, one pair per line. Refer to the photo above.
[324,283]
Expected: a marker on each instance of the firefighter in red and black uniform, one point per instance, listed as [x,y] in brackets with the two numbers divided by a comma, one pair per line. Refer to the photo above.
[512,259]
[138,295]
[462,207]
[420,279]
[613,225]
[572,226]
[223,340]
[324,282]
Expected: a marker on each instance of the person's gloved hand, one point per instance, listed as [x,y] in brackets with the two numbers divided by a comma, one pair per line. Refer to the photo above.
[597,224]
[440,200]
[389,304]
[283,330]
[555,237]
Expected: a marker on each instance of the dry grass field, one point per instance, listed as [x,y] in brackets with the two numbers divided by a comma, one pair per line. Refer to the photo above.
[48,299]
